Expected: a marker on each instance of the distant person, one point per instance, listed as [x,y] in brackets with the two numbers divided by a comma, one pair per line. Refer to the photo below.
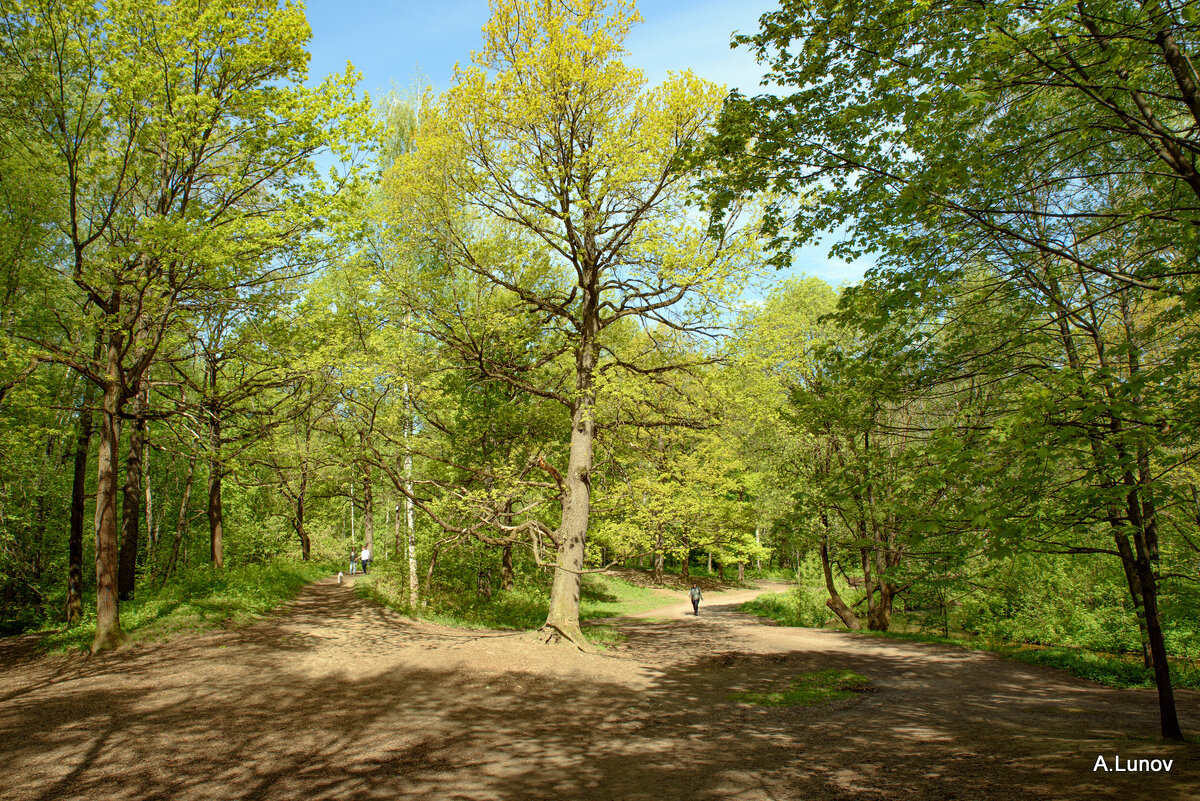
[353,560]
[365,559]
[696,596]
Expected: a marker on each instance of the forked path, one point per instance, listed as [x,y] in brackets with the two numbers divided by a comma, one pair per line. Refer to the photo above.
[338,698]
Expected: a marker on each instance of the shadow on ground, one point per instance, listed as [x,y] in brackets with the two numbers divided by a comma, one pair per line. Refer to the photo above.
[342,699]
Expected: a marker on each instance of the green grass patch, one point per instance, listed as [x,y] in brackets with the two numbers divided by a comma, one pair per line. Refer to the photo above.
[523,608]
[200,598]
[611,596]
[811,689]
[603,636]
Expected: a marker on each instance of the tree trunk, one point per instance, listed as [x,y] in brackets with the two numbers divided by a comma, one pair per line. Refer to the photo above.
[506,567]
[409,519]
[78,497]
[1146,549]
[131,506]
[835,601]
[411,524]
[305,543]
[658,557]
[108,614]
[148,506]
[1168,718]
[433,557]
[216,521]
[879,616]
[741,572]
[182,524]
[563,619]
[1128,563]
[368,511]
[398,538]
[758,542]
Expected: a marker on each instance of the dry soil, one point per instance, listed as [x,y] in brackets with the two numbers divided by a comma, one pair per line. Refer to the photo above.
[338,698]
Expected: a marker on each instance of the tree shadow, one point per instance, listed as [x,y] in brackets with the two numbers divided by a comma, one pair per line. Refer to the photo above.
[251,714]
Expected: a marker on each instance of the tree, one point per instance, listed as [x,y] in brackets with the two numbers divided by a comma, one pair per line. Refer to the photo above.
[549,171]
[1048,147]
[181,140]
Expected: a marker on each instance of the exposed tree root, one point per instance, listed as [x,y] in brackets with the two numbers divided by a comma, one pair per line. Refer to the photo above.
[553,634]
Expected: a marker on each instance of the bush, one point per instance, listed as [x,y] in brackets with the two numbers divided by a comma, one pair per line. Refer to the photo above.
[799,607]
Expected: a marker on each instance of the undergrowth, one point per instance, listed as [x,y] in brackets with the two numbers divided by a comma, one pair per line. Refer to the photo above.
[803,607]
[201,598]
[523,608]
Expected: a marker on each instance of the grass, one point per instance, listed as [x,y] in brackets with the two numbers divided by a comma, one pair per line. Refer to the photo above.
[811,689]
[523,608]
[1122,671]
[611,596]
[800,608]
[602,635]
[797,607]
[201,598]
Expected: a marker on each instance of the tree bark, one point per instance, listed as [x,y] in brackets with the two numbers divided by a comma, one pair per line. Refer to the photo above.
[182,524]
[1168,717]
[216,521]
[131,506]
[148,506]
[758,542]
[506,566]
[409,518]
[835,602]
[108,614]
[368,511]
[305,543]
[563,619]
[83,444]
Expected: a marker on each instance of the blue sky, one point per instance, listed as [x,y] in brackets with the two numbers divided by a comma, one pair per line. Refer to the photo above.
[403,43]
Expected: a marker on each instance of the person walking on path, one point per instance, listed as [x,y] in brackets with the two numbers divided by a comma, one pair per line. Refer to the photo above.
[365,558]
[353,560]
[696,597]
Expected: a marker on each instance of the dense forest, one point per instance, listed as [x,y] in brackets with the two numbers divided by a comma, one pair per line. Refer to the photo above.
[539,324]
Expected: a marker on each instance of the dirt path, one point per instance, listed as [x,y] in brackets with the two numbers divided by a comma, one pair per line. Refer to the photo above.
[338,698]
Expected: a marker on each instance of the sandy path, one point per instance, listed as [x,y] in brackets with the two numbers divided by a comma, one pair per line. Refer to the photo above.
[337,698]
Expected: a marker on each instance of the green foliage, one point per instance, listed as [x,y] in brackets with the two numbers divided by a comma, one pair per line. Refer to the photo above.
[1108,669]
[198,599]
[455,601]
[811,689]
[1112,670]
[1076,602]
[799,607]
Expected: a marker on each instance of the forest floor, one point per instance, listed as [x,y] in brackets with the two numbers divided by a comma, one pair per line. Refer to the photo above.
[336,697]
